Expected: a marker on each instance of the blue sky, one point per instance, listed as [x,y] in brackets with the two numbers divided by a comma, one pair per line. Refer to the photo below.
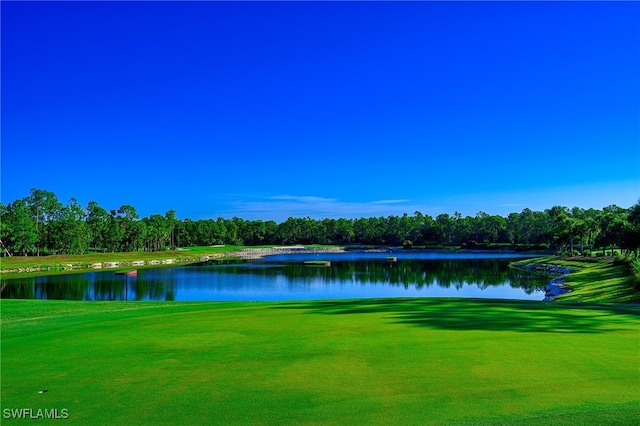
[325,109]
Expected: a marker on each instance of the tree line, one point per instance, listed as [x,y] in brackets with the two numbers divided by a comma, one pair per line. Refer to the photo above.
[40,224]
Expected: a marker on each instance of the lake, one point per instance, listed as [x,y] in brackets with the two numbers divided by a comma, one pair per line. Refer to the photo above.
[286,277]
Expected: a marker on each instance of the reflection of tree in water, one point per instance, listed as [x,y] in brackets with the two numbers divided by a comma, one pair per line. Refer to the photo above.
[61,287]
[133,288]
[153,290]
[91,286]
[419,273]
[22,290]
[152,285]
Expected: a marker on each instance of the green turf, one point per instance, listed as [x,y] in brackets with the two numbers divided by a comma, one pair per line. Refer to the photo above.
[595,279]
[376,361]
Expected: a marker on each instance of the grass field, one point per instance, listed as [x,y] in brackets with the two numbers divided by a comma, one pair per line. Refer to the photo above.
[596,279]
[371,361]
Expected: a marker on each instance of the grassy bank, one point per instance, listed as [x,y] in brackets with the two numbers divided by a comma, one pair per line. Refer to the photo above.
[23,266]
[378,361]
[595,279]
[29,266]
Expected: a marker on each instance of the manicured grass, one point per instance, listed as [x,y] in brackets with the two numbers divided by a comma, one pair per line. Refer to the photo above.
[62,259]
[595,280]
[370,361]
[603,283]
[57,264]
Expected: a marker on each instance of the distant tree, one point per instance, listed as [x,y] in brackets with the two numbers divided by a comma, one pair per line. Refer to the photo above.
[172,223]
[289,231]
[565,226]
[271,229]
[526,226]
[130,230]
[69,233]
[44,205]
[445,228]
[611,225]
[182,233]
[113,232]
[237,231]
[513,231]
[19,228]
[344,231]
[157,232]
[590,224]
[254,232]
[70,229]
[4,230]
[631,239]
[96,219]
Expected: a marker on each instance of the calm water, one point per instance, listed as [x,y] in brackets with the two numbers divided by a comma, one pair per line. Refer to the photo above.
[285,277]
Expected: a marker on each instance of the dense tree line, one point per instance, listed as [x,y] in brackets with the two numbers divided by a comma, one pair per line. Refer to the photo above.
[41,224]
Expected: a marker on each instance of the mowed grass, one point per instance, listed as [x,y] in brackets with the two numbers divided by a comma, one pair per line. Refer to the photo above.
[603,282]
[78,263]
[87,259]
[368,361]
[595,280]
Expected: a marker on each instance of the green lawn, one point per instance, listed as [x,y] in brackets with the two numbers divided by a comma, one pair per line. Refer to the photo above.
[595,279]
[371,361]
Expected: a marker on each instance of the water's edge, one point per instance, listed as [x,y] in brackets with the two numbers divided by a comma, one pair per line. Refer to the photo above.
[556,286]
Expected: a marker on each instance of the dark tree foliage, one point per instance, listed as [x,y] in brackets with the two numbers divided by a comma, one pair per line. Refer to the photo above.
[39,223]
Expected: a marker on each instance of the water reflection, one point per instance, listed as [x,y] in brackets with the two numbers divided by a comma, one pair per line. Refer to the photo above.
[288,278]
[89,286]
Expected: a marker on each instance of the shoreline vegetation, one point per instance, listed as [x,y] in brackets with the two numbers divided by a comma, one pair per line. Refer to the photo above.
[42,236]
[22,266]
[19,266]
[572,279]
[11,267]
[40,224]
[587,279]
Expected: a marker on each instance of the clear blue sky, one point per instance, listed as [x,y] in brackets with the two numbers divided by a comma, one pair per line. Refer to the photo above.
[325,109]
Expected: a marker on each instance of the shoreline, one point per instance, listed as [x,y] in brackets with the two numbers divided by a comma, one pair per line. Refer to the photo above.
[183,258]
[605,281]
[556,287]
[258,253]
[78,267]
